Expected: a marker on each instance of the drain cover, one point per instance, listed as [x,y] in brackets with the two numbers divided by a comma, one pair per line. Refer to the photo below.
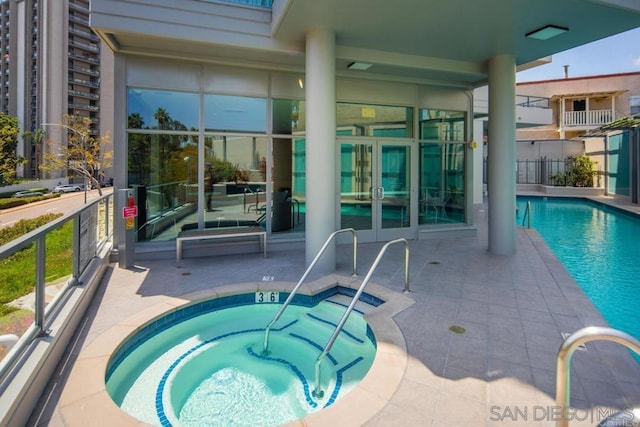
[186,273]
[456,329]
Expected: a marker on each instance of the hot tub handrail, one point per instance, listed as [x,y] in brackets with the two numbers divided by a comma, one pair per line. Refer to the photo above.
[565,352]
[265,348]
[317,392]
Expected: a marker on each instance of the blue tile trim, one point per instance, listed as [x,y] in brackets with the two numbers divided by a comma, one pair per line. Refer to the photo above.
[163,381]
[315,345]
[346,306]
[364,297]
[347,333]
[303,380]
[339,373]
[196,309]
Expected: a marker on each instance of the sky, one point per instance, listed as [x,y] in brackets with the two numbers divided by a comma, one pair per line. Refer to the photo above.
[616,54]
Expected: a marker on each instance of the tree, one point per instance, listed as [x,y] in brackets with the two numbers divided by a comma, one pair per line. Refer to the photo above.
[83,154]
[9,159]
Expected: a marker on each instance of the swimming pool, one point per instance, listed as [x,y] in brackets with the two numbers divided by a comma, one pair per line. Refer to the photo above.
[599,246]
[204,362]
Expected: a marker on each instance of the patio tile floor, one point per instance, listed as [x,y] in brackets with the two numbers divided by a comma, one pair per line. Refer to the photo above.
[500,371]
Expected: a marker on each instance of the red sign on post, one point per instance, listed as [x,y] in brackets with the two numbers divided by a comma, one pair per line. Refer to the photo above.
[129,212]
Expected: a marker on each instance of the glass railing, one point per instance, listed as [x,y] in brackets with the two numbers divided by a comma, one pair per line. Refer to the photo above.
[40,268]
[532,101]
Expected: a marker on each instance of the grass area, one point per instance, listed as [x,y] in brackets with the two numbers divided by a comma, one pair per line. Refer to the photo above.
[17,272]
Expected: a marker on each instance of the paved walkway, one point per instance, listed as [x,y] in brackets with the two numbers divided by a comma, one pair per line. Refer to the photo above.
[500,371]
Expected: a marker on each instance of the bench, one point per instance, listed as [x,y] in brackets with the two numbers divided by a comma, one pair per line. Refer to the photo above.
[219,233]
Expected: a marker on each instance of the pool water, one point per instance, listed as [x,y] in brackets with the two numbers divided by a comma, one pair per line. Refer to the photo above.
[210,370]
[599,246]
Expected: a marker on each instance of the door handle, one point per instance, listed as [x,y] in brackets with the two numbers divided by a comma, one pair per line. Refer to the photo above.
[380,193]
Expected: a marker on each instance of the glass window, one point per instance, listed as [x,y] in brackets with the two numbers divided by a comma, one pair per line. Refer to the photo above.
[288,185]
[374,120]
[162,110]
[442,125]
[235,176]
[442,176]
[288,116]
[163,170]
[224,113]
[634,105]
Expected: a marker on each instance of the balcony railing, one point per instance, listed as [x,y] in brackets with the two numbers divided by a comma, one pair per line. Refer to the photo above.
[588,118]
[532,101]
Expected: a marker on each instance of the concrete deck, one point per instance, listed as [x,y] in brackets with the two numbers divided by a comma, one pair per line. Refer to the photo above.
[501,371]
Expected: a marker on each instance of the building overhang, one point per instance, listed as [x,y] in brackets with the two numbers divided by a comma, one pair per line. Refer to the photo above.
[416,40]
[583,95]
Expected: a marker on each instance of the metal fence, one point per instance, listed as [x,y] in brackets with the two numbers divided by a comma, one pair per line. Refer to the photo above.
[543,171]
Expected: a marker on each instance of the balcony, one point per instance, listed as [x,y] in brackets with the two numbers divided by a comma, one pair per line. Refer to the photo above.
[530,110]
[588,118]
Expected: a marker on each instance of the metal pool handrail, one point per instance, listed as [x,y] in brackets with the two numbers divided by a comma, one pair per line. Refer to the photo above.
[527,215]
[265,348]
[317,392]
[567,348]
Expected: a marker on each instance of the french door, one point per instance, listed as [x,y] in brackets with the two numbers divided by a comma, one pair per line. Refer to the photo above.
[375,188]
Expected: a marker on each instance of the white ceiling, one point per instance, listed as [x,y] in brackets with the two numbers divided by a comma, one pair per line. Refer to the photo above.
[422,40]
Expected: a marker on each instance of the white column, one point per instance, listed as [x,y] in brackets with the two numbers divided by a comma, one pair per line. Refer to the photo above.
[320,86]
[478,161]
[501,179]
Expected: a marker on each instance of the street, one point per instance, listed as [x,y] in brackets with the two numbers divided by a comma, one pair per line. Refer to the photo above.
[66,203]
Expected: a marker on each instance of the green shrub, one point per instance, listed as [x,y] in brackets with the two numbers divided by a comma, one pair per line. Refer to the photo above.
[12,203]
[582,171]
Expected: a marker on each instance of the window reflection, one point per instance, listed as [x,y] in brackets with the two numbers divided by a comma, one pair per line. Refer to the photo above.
[235,181]
[442,125]
[288,116]
[162,171]
[162,110]
[374,120]
[235,113]
[442,166]
[442,183]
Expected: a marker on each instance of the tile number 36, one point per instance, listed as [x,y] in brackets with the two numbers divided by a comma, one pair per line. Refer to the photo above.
[267,297]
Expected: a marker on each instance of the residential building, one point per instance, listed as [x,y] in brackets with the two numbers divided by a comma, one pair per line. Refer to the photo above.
[581,104]
[581,108]
[329,121]
[50,67]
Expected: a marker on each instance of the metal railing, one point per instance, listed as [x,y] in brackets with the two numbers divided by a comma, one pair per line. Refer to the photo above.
[567,348]
[317,392]
[92,230]
[532,101]
[265,348]
[526,219]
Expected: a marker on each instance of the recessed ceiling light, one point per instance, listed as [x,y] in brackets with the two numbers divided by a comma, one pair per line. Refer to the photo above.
[359,66]
[545,33]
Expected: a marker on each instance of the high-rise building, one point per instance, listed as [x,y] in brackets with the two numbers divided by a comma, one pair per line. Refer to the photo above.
[50,67]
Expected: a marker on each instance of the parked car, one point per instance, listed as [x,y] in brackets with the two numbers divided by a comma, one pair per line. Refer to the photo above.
[28,193]
[67,188]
